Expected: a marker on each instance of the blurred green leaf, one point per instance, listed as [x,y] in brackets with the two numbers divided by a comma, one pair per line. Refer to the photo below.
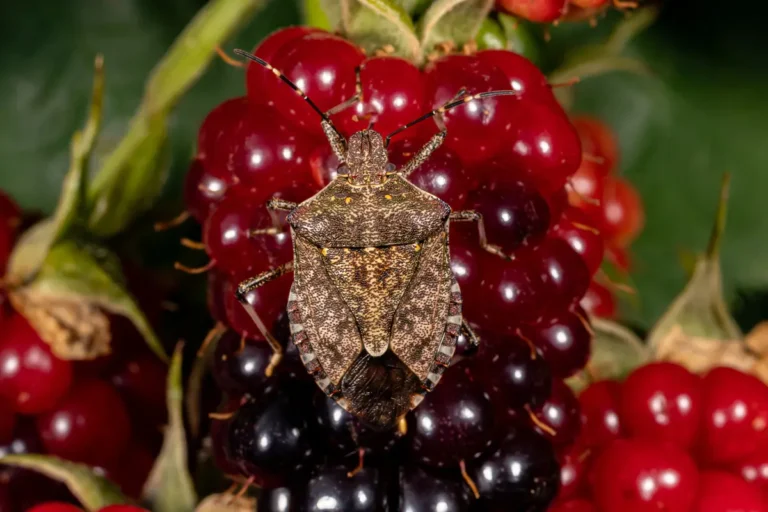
[46,57]
[30,252]
[490,36]
[133,175]
[375,24]
[452,20]
[699,114]
[91,490]
[169,487]
[520,38]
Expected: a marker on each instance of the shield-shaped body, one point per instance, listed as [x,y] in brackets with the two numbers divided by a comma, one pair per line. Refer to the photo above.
[374,309]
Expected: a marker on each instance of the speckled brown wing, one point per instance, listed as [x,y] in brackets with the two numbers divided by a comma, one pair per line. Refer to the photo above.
[428,318]
[323,327]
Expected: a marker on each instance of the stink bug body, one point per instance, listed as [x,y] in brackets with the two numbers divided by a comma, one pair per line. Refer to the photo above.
[374,308]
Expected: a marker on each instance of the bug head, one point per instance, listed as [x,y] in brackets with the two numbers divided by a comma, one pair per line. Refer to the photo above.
[366,155]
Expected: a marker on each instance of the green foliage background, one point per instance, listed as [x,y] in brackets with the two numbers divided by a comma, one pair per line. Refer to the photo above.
[700,113]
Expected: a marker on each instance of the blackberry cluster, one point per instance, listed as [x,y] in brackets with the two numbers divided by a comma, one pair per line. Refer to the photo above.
[487,437]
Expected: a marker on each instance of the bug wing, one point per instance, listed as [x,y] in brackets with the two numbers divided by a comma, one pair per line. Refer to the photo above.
[322,325]
[429,316]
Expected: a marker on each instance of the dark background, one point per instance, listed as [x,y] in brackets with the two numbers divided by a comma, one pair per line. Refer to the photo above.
[701,112]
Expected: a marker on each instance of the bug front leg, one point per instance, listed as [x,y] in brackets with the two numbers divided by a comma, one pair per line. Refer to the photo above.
[471,334]
[251,284]
[473,216]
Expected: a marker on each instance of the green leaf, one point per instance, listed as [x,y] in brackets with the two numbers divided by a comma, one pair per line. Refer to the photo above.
[314,16]
[700,310]
[520,38]
[452,20]
[32,249]
[169,487]
[91,490]
[700,114]
[78,279]
[44,94]
[374,25]
[490,36]
[132,177]
[616,351]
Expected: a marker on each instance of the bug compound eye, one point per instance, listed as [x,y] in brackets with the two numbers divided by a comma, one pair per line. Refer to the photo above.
[343,170]
[389,168]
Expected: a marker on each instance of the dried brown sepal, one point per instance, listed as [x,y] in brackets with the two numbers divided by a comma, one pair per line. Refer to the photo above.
[757,339]
[699,354]
[227,503]
[74,328]
[698,319]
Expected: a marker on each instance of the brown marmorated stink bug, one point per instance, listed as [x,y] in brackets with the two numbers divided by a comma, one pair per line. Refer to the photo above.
[374,309]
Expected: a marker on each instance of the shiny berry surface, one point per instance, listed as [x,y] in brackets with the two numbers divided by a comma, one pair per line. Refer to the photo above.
[231,242]
[600,407]
[735,415]
[564,341]
[541,11]
[560,413]
[122,508]
[216,129]
[332,489]
[389,103]
[574,464]
[442,174]
[523,471]
[599,301]
[506,294]
[635,476]
[575,229]
[563,272]
[475,129]
[271,439]
[24,439]
[239,365]
[719,491]
[131,469]
[598,141]
[90,425]
[754,469]
[265,154]
[457,413]
[522,74]
[586,188]
[7,420]
[323,66]
[662,402]
[623,213]
[427,492]
[203,189]
[546,147]
[513,373]
[513,212]
[32,379]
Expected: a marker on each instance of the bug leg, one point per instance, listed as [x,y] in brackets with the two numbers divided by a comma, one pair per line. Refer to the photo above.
[437,139]
[471,334]
[242,295]
[473,216]
[281,205]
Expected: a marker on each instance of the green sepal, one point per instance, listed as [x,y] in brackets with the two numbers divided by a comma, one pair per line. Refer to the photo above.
[93,491]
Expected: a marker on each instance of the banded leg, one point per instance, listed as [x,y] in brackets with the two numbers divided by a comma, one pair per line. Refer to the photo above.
[471,334]
[275,205]
[242,295]
[473,216]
